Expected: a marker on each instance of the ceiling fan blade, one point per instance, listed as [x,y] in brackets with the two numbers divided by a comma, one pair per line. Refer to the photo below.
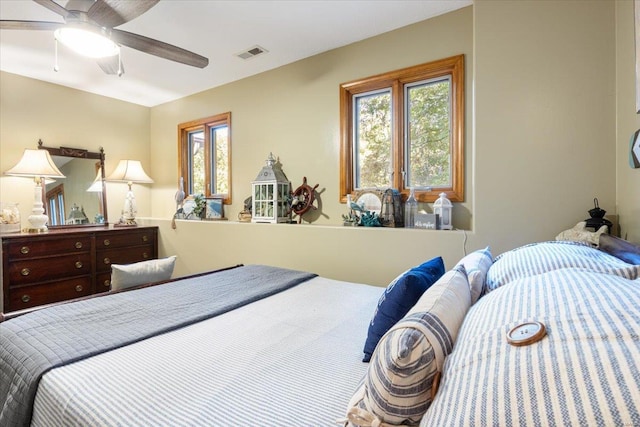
[158,48]
[111,13]
[29,25]
[110,65]
[54,7]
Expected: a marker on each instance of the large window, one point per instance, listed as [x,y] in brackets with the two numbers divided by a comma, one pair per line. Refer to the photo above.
[405,129]
[204,155]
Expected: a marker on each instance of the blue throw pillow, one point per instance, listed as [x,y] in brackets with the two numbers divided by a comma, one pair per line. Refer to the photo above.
[398,298]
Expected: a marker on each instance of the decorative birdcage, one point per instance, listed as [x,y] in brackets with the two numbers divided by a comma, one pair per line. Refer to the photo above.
[270,193]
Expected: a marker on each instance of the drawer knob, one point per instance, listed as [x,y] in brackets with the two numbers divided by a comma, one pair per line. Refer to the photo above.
[78,245]
[107,283]
[107,261]
[26,298]
[25,271]
[145,238]
[24,250]
[145,255]
[107,242]
[79,288]
[78,264]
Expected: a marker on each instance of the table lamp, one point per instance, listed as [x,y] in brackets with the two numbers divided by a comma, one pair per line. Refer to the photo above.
[36,164]
[129,171]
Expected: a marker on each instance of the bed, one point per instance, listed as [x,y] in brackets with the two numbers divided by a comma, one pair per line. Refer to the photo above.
[264,346]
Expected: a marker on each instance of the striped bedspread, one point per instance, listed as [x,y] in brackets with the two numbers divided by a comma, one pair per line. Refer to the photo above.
[585,372]
[292,359]
[34,343]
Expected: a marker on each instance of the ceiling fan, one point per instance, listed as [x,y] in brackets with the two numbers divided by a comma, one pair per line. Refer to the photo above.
[96,19]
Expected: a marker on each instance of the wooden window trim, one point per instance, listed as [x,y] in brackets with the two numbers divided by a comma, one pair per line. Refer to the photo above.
[453,66]
[204,124]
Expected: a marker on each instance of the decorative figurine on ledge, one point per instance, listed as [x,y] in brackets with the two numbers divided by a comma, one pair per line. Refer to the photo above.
[245,214]
[350,219]
[359,215]
[179,198]
[370,219]
[302,199]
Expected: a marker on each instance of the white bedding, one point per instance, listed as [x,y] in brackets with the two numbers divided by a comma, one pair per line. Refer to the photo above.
[584,372]
[288,360]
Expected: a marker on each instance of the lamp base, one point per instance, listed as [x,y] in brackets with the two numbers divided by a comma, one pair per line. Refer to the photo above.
[37,220]
[36,230]
[128,218]
[126,223]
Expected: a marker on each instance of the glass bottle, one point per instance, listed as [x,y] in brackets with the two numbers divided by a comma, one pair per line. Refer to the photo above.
[410,209]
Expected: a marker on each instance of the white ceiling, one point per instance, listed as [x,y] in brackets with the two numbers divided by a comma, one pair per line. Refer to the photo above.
[290,30]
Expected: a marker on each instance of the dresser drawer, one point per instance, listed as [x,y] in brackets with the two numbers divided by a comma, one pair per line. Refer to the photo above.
[46,247]
[121,240]
[123,256]
[41,269]
[31,296]
[103,282]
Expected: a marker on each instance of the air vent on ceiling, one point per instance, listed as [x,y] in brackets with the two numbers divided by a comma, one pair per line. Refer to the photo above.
[252,52]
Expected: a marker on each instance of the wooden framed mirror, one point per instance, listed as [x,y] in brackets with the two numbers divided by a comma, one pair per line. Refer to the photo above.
[80,199]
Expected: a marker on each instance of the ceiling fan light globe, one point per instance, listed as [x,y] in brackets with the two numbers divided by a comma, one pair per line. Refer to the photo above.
[86,43]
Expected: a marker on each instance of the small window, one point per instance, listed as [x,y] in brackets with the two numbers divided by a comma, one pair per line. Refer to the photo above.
[405,129]
[204,151]
[55,202]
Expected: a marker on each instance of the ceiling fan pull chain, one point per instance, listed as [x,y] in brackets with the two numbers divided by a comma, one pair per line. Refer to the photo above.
[119,62]
[55,65]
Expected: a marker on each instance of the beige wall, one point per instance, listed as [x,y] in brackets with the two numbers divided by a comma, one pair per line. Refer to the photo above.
[293,111]
[544,114]
[541,139]
[628,180]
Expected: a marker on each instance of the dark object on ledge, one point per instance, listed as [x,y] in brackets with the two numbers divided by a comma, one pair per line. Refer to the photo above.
[597,219]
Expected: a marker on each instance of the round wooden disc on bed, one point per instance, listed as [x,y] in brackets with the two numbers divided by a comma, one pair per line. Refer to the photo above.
[526,333]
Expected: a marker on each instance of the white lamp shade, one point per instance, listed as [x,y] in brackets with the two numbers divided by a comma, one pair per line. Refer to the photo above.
[35,163]
[96,186]
[130,171]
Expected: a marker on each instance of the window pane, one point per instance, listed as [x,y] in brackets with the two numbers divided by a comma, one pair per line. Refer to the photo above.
[196,162]
[372,156]
[219,140]
[428,134]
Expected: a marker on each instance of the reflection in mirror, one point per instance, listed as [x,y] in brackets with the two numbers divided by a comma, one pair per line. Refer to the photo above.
[79,199]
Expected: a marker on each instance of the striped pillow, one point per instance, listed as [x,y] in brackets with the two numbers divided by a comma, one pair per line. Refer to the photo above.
[538,258]
[477,264]
[397,387]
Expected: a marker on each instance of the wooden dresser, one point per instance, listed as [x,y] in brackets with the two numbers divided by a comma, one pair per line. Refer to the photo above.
[60,265]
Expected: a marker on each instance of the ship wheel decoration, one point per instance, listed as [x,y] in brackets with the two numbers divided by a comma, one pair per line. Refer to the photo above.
[302,199]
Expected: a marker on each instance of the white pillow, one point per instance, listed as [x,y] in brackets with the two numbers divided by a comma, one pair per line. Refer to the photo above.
[477,264]
[139,273]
